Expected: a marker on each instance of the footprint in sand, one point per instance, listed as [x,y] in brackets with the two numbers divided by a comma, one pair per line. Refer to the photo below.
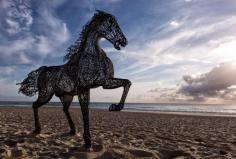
[81,152]
[168,154]
[117,152]
[141,153]
[110,155]
[10,143]
[95,148]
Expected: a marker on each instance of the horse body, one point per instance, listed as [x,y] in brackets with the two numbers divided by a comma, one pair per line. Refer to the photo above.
[87,67]
[67,79]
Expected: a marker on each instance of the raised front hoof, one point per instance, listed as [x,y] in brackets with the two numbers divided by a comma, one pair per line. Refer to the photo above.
[116,107]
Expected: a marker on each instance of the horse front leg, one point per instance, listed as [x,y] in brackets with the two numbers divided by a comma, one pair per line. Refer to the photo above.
[84,99]
[116,83]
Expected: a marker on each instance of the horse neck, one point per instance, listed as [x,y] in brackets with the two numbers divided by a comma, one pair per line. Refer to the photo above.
[91,44]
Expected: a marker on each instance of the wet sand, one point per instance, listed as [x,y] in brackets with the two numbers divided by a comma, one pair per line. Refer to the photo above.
[116,135]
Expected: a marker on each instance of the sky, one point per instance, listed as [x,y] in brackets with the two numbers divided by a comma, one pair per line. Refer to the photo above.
[179,51]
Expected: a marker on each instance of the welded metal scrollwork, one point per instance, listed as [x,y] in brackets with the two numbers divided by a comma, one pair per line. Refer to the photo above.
[86,67]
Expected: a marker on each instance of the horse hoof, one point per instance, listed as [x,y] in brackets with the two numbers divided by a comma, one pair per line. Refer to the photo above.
[36,131]
[115,107]
[88,147]
[72,132]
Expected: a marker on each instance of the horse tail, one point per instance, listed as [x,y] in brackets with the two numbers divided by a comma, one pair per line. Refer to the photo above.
[29,86]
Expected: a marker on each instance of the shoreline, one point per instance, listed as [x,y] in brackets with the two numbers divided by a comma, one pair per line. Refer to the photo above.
[187,113]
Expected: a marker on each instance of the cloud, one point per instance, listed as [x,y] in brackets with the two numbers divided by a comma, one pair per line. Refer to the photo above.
[166,39]
[14,27]
[54,32]
[183,42]
[165,94]
[8,90]
[18,15]
[216,86]
[175,24]
[108,1]
[218,83]
[29,32]
[7,70]
[29,37]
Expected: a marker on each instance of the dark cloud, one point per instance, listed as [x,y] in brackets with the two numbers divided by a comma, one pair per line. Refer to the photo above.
[218,83]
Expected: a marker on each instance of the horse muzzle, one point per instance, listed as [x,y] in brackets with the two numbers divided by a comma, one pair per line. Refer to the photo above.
[120,43]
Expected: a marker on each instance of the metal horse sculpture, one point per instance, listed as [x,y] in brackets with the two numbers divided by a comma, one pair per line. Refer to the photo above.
[87,67]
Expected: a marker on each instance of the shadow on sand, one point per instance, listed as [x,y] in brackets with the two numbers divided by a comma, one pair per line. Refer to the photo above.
[26,144]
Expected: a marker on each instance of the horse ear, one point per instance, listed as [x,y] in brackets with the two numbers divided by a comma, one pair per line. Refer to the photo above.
[101,12]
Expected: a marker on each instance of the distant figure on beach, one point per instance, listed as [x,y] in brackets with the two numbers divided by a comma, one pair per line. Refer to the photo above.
[87,67]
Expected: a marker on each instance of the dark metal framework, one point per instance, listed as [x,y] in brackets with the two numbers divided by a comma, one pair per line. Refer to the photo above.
[87,67]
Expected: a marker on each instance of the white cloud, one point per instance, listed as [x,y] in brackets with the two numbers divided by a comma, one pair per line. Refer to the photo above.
[47,38]
[18,15]
[7,70]
[8,90]
[23,59]
[43,45]
[108,1]
[176,48]
[26,43]
[175,24]
[14,27]
[57,28]
[191,48]
[224,51]
[16,46]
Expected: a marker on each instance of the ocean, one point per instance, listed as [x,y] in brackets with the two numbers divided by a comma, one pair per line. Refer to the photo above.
[149,107]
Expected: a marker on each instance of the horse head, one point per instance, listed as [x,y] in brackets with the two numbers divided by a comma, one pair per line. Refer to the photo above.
[109,29]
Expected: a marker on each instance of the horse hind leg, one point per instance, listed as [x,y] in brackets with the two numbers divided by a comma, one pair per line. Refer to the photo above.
[38,103]
[84,99]
[66,101]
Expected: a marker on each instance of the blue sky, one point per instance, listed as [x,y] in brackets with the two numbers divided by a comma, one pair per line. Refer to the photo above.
[178,51]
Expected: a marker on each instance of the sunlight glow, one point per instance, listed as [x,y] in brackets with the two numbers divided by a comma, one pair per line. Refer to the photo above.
[226,51]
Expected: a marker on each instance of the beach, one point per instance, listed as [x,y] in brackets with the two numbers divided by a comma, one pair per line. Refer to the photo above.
[117,135]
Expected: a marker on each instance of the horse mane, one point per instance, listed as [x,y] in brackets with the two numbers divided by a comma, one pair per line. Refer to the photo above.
[75,49]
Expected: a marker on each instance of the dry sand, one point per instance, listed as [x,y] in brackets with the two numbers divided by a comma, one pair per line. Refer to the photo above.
[116,135]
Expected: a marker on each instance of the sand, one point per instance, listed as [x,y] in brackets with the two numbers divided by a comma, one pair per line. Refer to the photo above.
[116,135]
